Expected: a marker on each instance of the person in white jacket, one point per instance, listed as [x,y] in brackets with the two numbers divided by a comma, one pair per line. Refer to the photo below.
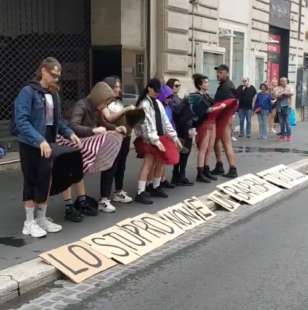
[156,142]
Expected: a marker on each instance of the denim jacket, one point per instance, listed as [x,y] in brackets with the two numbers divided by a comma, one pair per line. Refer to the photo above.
[30,115]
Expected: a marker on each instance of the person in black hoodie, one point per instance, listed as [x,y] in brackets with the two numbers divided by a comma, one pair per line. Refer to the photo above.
[183,120]
[37,119]
[204,111]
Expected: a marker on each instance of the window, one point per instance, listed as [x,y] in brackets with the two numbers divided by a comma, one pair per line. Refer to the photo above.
[238,58]
[210,61]
[259,71]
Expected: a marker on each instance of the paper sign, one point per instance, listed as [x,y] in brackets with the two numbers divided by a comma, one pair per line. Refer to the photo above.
[78,261]
[156,228]
[249,188]
[283,176]
[200,208]
[224,200]
[113,244]
[182,216]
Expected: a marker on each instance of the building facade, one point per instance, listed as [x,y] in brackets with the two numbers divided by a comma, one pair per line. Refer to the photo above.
[138,39]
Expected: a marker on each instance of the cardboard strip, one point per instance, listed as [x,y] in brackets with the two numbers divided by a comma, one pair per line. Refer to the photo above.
[225,201]
[283,176]
[78,261]
[183,216]
[113,244]
[249,188]
[200,208]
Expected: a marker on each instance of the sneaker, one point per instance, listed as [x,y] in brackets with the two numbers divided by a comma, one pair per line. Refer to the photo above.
[208,174]
[32,229]
[248,137]
[73,215]
[167,184]
[274,131]
[105,205]
[241,135]
[48,225]
[232,174]
[87,206]
[219,169]
[122,197]
[233,139]
[157,192]
[281,138]
[289,138]
[184,182]
[143,198]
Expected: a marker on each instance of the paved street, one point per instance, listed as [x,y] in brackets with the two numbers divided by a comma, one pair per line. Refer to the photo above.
[253,155]
[259,265]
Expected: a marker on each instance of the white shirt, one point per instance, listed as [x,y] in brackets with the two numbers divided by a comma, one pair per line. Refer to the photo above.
[49,106]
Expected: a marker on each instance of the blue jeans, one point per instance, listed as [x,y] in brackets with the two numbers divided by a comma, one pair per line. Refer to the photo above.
[245,115]
[263,121]
[284,115]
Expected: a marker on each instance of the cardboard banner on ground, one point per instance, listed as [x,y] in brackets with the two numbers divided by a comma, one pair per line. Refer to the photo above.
[151,229]
[283,176]
[223,200]
[183,216]
[249,188]
[114,244]
[78,261]
[200,208]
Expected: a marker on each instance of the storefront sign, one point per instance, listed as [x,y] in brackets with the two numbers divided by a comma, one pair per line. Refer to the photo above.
[280,13]
[283,176]
[224,201]
[249,188]
[78,261]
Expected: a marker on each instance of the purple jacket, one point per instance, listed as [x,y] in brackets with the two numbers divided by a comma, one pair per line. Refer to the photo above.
[166,92]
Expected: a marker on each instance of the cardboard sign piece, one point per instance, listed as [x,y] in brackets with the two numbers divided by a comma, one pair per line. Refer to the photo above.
[78,261]
[183,216]
[283,176]
[200,208]
[249,188]
[224,200]
[113,244]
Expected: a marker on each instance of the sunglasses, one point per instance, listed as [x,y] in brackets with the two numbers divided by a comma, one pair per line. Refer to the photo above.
[177,85]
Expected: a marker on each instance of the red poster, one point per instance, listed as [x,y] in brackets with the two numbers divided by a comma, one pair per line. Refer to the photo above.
[274,50]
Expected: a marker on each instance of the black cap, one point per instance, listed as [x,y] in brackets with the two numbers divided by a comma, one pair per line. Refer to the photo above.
[222,67]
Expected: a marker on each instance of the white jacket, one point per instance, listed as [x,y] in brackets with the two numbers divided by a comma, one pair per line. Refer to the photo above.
[147,130]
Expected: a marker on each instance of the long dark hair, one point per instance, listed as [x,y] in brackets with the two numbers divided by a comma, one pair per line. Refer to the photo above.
[198,80]
[153,83]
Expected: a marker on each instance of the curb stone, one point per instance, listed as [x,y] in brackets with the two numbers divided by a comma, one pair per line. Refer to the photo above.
[20,279]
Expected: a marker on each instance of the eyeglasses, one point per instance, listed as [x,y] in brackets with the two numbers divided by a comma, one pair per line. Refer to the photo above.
[177,85]
[55,76]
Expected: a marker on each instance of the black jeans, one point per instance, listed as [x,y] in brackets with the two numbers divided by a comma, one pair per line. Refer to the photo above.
[116,172]
[179,170]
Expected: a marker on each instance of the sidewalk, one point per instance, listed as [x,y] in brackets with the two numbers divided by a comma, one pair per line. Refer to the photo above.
[253,155]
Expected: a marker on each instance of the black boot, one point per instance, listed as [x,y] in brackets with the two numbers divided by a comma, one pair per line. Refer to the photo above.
[232,174]
[219,169]
[201,177]
[208,174]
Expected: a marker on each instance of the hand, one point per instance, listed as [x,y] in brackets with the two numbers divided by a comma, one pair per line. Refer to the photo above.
[161,147]
[121,129]
[45,149]
[75,139]
[192,132]
[179,144]
[130,108]
[99,130]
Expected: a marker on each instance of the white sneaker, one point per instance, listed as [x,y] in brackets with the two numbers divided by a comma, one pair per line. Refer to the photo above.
[31,228]
[49,226]
[274,130]
[106,206]
[122,196]
[233,138]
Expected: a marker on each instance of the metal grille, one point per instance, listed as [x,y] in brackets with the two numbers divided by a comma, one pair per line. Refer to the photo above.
[31,30]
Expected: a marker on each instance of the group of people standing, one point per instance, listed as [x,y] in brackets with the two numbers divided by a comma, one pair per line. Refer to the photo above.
[56,155]
[272,104]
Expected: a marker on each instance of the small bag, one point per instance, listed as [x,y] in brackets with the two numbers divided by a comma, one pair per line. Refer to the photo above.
[292,118]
